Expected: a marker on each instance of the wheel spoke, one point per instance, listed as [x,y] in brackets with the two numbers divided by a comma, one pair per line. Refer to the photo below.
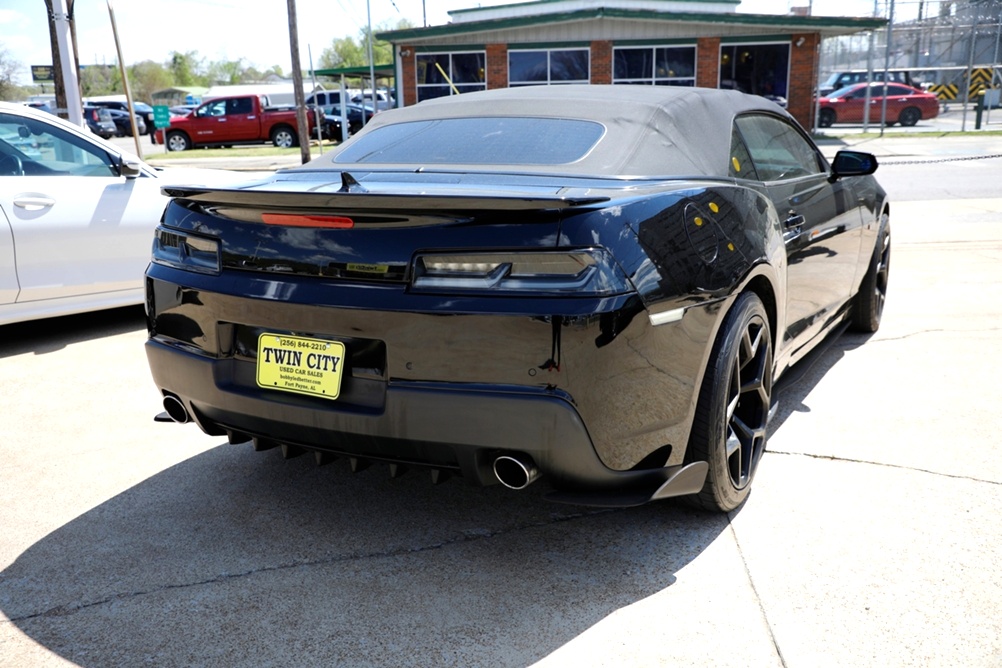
[747,411]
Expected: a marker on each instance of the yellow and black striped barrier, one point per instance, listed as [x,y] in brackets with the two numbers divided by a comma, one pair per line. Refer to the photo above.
[980,79]
[945,92]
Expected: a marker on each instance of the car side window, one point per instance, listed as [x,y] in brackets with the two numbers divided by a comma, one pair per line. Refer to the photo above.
[213,109]
[34,148]
[741,166]
[239,105]
[777,150]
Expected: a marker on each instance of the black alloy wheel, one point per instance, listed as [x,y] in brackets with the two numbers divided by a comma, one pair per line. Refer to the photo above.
[826,118]
[732,416]
[909,117]
[868,308]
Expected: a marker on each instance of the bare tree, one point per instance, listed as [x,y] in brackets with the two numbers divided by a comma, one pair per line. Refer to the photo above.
[8,70]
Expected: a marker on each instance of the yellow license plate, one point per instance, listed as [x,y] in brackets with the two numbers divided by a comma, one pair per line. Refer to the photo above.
[301,365]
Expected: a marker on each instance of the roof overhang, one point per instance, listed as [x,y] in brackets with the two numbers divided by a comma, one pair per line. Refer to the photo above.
[700,24]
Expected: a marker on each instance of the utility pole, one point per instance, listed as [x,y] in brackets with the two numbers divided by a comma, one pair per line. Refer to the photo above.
[297,83]
[64,72]
[125,80]
[372,63]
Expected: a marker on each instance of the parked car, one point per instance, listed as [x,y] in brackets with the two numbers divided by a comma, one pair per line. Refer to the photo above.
[905,105]
[239,119]
[123,128]
[76,216]
[838,80]
[99,121]
[384,100]
[143,111]
[44,106]
[330,128]
[603,303]
[358,115]
[322,98]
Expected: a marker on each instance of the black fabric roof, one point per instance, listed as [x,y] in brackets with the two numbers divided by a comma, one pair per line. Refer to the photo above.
[650,130]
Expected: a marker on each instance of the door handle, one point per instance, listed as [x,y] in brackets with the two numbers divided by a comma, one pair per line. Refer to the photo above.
[792,226]
[34,203]
[794,220]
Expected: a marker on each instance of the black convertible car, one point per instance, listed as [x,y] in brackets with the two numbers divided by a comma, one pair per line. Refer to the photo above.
[597,286]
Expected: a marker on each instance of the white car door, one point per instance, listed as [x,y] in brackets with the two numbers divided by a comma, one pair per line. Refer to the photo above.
[78,228]
[8,273]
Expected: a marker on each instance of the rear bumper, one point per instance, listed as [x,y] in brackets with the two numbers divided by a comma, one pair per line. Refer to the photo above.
[443,383]
[437,425]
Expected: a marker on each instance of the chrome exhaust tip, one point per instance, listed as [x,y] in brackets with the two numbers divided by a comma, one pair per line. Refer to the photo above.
[175,409]
[515,470]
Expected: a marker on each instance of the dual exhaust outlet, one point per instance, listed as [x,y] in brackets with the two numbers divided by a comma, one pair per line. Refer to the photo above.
[175,409]
[514,470]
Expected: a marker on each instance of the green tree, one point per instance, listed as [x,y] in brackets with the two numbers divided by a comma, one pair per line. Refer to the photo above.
[351,52]
[187,68]
[147,77]
[100,80]
[227,72]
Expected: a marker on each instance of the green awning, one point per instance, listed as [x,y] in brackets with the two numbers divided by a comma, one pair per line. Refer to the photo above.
[382,71]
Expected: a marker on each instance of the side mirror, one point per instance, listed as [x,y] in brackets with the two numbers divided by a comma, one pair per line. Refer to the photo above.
[129,167]
[853,163]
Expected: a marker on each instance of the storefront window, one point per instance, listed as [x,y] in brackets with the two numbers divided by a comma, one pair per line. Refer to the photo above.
[549,66]
[466,71]
[759,69]
[658,65]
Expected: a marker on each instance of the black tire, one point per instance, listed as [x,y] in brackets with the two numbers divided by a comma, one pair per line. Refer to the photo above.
[826,118]
[284,137]
[909,117]
[868,306]
[177,141]
[730,425]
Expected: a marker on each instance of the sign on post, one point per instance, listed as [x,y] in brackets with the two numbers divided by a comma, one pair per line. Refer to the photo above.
[161,116]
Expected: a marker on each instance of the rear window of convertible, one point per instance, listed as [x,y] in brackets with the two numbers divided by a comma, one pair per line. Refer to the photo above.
[477,141]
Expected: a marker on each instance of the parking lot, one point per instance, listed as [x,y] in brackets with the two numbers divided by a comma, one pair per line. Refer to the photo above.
[871,537]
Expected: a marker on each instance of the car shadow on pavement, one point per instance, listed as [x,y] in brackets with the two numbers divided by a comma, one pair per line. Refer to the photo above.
[234,557]
[798,381]
[51,334]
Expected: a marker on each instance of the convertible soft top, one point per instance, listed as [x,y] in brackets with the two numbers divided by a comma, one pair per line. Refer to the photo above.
[648,130]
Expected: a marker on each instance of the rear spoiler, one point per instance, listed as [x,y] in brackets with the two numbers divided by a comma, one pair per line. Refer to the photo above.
[367,200]
[354,195]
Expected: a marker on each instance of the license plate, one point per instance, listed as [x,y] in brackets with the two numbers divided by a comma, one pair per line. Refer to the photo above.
[301,365]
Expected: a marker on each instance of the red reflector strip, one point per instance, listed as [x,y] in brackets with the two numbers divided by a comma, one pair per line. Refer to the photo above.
[301,220]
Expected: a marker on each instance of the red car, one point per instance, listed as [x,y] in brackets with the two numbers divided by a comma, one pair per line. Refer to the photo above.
[905,105]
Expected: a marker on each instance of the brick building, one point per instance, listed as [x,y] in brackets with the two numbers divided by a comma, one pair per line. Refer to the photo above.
[656,42]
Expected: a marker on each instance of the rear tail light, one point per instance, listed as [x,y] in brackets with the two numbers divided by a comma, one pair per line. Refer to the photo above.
[182,250]
[588,272]
[304,220]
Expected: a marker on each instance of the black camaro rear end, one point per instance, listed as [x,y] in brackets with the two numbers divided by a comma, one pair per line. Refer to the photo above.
[472,291]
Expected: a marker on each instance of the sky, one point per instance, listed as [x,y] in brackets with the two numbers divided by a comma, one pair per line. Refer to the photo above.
[257,32]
